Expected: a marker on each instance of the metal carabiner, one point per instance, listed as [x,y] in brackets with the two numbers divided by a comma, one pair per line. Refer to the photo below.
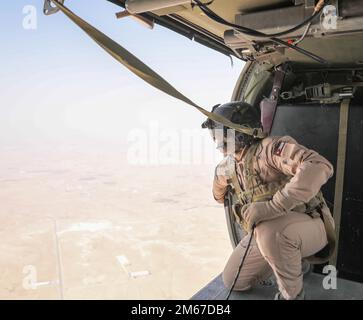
[48,9]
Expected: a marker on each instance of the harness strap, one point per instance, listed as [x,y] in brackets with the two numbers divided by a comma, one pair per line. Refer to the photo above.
[268,105]
[339,182]
[232,175]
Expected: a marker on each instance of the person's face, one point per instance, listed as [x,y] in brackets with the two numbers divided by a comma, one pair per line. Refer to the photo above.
[224,139]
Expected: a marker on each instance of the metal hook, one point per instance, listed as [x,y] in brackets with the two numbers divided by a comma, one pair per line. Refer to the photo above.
[48,9]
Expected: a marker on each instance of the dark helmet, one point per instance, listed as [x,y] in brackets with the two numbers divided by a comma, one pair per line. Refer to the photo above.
[240,113]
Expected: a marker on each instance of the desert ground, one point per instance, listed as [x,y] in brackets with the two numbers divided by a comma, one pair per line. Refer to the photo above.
[87,225]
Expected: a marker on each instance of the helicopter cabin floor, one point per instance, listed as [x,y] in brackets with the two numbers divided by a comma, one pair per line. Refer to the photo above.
[313,284]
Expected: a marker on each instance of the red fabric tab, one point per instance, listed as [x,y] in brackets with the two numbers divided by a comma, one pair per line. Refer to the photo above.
[279,147]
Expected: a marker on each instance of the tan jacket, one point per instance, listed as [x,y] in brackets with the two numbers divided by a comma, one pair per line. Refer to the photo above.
[278,157]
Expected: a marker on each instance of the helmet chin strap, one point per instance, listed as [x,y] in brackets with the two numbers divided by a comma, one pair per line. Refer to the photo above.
[237,147]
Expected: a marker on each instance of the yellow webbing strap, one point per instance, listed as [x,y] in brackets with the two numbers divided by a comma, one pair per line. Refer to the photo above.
[339,181]
[144,72]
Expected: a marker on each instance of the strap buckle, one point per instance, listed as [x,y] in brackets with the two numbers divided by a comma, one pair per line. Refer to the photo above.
[49,9]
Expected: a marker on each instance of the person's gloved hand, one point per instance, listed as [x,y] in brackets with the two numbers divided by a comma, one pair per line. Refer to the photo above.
[256,212]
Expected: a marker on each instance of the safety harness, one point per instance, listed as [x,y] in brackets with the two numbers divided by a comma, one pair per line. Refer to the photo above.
[254,190]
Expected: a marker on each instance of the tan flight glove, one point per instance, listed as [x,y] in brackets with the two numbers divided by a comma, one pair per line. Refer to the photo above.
[256,212]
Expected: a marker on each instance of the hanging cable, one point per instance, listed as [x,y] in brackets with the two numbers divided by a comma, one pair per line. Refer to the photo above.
[251,32]
[241,264]
[303,35]
[254,33]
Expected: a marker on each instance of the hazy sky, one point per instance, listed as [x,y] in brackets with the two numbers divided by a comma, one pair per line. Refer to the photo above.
[58,86]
